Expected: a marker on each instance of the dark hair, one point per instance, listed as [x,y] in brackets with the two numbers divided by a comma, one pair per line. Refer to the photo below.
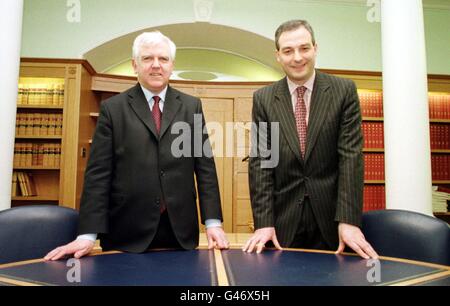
[293,25]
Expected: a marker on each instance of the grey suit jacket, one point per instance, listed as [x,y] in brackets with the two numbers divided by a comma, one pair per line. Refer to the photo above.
[131,170]
[332,172]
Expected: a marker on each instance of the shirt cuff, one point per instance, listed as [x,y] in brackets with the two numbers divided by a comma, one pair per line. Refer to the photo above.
[213,223]
[91,237]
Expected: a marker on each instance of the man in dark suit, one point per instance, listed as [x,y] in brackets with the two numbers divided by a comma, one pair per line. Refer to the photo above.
[313,197]
[138,192]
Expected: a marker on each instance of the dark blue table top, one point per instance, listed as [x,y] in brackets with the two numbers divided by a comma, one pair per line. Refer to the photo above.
[443,281]
[179,268]
[274,268]
[198,268]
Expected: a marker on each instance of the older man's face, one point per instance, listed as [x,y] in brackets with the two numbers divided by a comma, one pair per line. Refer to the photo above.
[154,66]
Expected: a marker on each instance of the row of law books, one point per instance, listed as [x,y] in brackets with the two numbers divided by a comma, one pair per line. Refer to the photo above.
[39,124]
[41,94]
[372,105]
[374,198]
[441,199]
[37,154]
[440,167]
[373,166]
[23,184]
[373,134]
[440,136]
[439,106]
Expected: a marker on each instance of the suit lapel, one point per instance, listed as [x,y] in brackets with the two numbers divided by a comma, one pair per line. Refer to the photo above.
[171,106]
[320,101]
[140,106]
[286,117]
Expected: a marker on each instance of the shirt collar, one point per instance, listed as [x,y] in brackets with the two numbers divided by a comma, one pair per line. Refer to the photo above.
[149,95]
[309,84]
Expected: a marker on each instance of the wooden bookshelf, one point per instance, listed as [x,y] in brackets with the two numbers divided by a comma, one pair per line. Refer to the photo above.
[440,151]
[376,182]
[375,119]
[441,182]
[35,168]
[36,198]
[44,107]
[370,92]
[39,137]
[373,150]
[439,120]
[53,93]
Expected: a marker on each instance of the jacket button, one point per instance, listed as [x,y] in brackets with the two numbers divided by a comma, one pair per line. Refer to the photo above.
[162,173]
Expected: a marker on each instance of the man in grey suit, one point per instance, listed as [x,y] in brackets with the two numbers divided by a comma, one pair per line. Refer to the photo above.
[313,197]
[138,193]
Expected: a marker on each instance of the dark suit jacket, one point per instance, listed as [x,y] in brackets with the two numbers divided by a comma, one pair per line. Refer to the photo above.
[332,172]
[131,170]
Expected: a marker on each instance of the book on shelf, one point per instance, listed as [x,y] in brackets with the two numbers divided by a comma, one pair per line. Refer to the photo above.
[15,186]
[24,180]
[440,199]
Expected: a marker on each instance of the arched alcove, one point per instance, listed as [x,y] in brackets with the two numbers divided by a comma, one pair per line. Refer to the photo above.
[205,52]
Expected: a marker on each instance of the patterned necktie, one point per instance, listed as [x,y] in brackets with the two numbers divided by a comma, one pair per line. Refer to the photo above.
[156,112]
[300,119]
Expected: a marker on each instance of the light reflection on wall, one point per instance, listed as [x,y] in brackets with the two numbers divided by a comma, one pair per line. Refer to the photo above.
[210,65]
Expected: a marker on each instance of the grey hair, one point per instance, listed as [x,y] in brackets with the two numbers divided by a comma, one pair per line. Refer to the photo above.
[149,38]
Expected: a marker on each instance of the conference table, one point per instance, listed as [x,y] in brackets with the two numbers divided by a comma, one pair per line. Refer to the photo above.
[232,267]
